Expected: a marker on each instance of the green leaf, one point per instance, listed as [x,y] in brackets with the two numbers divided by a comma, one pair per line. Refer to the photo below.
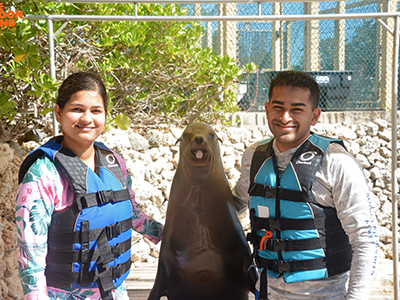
[122,121]
[46,111]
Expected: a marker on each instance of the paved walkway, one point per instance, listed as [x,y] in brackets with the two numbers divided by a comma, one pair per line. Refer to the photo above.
[141,279]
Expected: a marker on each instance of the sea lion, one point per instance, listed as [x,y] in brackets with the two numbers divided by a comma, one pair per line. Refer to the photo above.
[204,254]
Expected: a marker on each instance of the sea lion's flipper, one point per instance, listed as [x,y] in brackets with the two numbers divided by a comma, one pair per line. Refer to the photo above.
[160,283]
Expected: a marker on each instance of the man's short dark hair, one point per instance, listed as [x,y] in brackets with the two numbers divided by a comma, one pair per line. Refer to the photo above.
[297,79]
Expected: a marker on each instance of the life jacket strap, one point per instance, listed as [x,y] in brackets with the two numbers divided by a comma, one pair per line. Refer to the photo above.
[93,199]
[93,234]
[56,276]
[286,245]
[104,273]
[263,295]
[70,256]
[267,191]
[281,266]
[84,253]
[329,220]
[335,263]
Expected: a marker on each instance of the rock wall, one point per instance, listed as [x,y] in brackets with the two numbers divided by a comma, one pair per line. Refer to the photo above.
[152,156]
[10,287]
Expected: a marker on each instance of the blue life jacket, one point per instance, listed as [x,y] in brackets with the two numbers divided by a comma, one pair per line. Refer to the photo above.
[308,241]
[89,243]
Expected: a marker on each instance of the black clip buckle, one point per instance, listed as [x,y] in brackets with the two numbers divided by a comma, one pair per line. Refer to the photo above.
[281,266]
[113,230]
[278,245]
[105,196]
[274,224]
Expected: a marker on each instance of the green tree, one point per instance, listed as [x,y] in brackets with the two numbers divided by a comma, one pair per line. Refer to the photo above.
[154,71]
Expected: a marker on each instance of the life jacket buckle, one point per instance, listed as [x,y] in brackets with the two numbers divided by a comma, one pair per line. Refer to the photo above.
[281,266]
[113,230]
[104,277]
[117,271]
[274,224]
[105,196]
[116,250]
[269,191]
[278,245]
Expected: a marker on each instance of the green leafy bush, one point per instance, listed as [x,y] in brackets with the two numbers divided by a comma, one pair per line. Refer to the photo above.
[154,71]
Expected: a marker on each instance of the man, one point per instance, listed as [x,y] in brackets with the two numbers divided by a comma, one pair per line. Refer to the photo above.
[314,233]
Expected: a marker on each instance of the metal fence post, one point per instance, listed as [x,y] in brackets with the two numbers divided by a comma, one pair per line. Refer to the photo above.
[394,159]
[52,66]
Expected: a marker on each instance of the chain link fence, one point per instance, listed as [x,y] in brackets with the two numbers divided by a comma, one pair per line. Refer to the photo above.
[350,59]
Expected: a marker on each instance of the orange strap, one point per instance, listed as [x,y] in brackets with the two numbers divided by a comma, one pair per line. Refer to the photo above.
[267,235]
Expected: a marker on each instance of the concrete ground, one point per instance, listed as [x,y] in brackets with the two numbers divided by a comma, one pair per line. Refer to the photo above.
[141,279]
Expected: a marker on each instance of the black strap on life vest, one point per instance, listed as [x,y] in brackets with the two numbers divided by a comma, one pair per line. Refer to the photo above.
[257,161]
[328,220]
[263,293]
[268,191]
[336,263]
[59,274]
[27,163]
[65,257]
[93,199]
[92,235]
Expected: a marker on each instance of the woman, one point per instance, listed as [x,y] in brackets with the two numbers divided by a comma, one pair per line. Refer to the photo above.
[75,208]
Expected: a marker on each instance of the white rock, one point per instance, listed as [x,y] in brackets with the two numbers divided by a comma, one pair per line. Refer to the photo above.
[238,135]
[347,134]
[360,131]
[154,138]
[385,135]
[368,148]
[372,129]
[228,162]
[257,135]
[143,190]
[161,165]
[138,142]
[353,147]
[385,235]
[383,124]
[169,139]
[363,160]
[385,152]
[136,169]
[154,153]
[238,146]
[168,175]
[140,251]
[117,139]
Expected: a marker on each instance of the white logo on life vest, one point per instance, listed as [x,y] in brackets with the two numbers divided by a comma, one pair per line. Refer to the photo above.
[306,158]
[110,160]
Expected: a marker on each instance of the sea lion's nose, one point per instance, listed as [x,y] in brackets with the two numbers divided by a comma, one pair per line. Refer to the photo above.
[199,140]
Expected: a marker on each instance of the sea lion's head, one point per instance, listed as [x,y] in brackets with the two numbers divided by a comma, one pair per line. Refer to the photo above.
[199,147]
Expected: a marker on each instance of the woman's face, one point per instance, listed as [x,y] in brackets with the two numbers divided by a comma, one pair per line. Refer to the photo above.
[82,119]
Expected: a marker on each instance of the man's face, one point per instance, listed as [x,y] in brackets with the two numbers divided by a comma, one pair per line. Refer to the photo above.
[290,115]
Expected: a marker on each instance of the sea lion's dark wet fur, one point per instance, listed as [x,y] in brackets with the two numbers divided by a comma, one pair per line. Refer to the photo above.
[204,254]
